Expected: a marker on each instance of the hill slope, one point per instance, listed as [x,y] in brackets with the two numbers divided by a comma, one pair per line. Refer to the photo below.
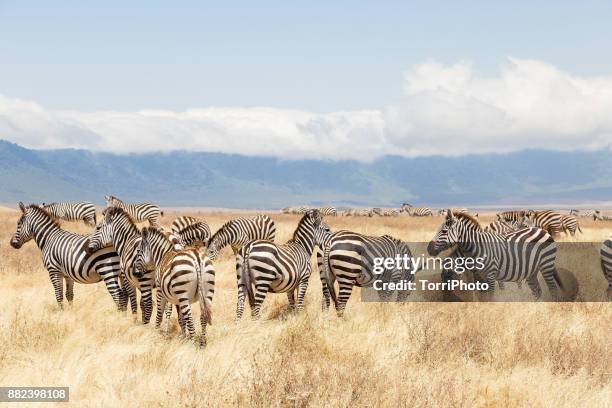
[221,180]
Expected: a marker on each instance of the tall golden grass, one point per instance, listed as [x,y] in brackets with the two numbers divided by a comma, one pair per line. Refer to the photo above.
[413,354]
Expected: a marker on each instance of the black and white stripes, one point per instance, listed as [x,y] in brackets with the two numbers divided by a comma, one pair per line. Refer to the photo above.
[606,264]
[65,255]
[514,256]
[73,211]
[264,267]
[138,212]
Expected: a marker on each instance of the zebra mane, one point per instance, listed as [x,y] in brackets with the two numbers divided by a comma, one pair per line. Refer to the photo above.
[111,211]
[43,210]
[467,217]
[155,232]
[303,221]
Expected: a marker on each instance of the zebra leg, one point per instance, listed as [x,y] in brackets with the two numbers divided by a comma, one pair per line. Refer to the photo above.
[131,293]
[241,288]
[291,299]
[551,277]
[161,305]
[302,287]
[261,290]
[344,293]
[185,309]
[534,285]
[181,321]
[203,324]
[58,286]
[111,280]
[69,289]
[146,304]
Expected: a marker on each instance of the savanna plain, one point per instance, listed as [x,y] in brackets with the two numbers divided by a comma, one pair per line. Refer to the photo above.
[418,354]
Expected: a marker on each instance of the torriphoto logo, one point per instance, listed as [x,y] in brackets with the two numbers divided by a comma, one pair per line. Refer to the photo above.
[306,204]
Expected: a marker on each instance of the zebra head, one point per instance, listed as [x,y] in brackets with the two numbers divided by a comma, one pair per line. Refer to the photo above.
[111,200]
[322,235]
[213,249]
[143,260]
[24,231]
[447,236]
[103,234]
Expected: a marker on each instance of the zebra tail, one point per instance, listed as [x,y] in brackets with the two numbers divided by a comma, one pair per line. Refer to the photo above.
[327,275]
[578,225]
[203,301]
[558,279]
[161,213]
[246,278]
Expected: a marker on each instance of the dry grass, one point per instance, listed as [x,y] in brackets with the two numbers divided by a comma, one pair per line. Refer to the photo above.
[414,354]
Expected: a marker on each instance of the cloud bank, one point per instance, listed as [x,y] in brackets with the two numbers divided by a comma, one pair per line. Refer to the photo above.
[447,110]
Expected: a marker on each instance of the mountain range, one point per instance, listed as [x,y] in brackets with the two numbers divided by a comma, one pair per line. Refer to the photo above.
[202,179]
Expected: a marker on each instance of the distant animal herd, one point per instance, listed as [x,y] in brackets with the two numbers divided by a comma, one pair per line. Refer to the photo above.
[178,265]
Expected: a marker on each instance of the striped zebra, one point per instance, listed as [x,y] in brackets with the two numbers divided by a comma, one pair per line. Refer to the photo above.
[390,212]
[606,264]
[583,213]
[138,212]
[548,220]
[73,211]
[502,227]
[512,257]
[182,277]
[301,209]
[65,255]
[274,268]
[119,230]
[442,211]
[512,217]
[601,217]
[328,210]
[416,211]
[348,258]
[569,223]
[349,212]
[237,232]
[191,231]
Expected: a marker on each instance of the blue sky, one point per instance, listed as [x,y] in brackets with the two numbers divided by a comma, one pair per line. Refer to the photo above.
[316,56]
[350,80]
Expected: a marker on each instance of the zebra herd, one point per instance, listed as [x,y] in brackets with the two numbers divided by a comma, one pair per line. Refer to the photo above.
[179,264]
[407,208]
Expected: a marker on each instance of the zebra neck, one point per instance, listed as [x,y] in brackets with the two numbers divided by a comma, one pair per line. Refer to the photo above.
[161,247]
[43,231]
[305,239]
[124,233]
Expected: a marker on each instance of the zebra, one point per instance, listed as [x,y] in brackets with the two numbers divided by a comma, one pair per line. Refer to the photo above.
[182,277]
[502,227]
[583,213]
[442,211]
[516,216]
[191,231]
[239,231]
[279,268]
[548,220]
[118,229]
[598,216]
[569,223]
[364,212]
[606,264]
[138,212]
[348,257]
[65,255]
[390,212]
[416,211]
[328,210]
[514,256]
[73,211]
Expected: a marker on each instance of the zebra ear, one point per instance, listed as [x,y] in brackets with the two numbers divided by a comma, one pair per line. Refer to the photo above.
[449,214]
[22,207]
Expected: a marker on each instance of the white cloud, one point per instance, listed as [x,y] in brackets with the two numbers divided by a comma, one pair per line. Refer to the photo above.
[445,110]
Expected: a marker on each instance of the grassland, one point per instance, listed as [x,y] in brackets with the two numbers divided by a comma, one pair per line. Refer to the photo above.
[413,354]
